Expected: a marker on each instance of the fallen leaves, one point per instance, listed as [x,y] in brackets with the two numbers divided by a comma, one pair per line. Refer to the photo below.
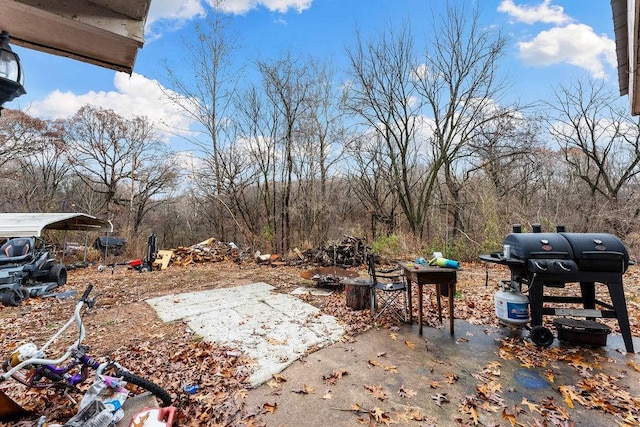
[332,378]
[172,357]
[439,398]
[304,390]
[406,393]
[376,391]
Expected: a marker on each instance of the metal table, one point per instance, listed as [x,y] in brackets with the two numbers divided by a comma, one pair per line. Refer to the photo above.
[430,275]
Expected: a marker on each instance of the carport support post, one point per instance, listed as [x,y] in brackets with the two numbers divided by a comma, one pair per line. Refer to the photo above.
[64,245]
[106,248]
[86,245]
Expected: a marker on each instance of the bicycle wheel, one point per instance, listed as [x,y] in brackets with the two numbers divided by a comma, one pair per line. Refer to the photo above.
[145,384]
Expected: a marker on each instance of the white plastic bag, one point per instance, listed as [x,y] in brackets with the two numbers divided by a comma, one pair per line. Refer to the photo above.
[110,392]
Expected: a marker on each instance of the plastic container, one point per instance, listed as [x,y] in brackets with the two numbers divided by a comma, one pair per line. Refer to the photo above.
[445,263]
[191,388]
[511,307]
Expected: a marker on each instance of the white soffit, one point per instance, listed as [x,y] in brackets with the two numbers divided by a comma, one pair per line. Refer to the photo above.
[107,33]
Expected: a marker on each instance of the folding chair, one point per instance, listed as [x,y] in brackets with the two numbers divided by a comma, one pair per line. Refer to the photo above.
[388,291]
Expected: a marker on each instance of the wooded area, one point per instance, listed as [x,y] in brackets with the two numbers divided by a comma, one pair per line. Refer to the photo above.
[422,150]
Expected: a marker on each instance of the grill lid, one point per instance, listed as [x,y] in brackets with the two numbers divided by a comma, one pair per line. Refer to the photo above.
[538,245]
[598,251]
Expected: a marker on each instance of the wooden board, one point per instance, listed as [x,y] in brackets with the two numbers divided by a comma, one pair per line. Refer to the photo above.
[163,259]
[8,408]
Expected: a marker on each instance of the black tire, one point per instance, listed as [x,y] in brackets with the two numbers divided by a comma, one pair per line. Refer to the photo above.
[541,336]
[144,383]
[10,298]
[58,274]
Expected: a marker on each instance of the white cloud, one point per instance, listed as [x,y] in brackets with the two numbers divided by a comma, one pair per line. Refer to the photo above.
[176,10]
[543,12]
[575,44]
[280,6]
[169,15]
[135,95]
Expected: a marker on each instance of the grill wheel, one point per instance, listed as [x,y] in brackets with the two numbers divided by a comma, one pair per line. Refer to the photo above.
[541,336]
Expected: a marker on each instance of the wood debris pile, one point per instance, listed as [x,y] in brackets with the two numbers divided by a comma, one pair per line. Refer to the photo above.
[210,250]
[351,252]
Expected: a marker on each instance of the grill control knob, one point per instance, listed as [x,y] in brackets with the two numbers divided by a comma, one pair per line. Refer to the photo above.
[564,266]
[541,265]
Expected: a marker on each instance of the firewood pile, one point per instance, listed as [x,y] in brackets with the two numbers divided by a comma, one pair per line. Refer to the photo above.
[210,250]
[351,252]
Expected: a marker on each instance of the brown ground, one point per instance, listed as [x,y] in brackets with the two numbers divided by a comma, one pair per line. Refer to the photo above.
[124,327]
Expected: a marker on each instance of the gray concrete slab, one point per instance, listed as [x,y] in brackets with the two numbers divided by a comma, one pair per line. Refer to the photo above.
[273,329]
[385,377]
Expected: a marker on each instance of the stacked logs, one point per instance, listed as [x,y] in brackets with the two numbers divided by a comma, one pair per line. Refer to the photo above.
[351,252]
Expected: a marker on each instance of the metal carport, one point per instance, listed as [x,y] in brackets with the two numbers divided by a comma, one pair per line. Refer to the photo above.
[32,224]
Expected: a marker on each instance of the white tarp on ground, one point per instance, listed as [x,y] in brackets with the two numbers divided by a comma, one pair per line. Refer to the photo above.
[273,329]
[32,224]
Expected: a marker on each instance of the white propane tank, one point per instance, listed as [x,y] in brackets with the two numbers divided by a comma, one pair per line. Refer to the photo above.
[511,307]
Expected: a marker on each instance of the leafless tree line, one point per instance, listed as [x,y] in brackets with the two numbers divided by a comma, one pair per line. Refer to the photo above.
[417,144]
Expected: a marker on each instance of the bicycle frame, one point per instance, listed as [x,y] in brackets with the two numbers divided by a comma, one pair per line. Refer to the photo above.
[38,367]
[75,350]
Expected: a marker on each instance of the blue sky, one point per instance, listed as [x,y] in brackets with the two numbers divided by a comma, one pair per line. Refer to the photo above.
[550,41]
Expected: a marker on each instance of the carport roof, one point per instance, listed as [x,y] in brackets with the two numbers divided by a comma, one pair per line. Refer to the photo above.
[32,224]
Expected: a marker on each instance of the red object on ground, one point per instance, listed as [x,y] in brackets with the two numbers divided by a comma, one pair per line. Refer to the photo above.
[135,263]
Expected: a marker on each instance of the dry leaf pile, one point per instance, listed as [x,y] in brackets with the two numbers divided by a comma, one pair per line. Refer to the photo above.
[123,327]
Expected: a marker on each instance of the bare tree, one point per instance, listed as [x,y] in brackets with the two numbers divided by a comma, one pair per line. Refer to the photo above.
[601,144]
[287,86]
[257,123]
[206,96]
[33,161]
[460,85]
[381,94]
[121,160]
[44,169]
[18,131]
[101,153]
[369,179]
[154,172]
[319,150]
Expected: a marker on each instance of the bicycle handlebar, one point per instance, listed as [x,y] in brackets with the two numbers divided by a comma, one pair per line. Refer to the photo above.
[75,318]
[86,293]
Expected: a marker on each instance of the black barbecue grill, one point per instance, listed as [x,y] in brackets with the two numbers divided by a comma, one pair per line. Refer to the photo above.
[541,260]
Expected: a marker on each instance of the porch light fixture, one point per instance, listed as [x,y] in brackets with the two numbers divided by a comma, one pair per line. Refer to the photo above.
[11,77]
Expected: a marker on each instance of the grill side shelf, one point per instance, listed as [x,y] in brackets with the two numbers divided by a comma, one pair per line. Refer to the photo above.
[498,258]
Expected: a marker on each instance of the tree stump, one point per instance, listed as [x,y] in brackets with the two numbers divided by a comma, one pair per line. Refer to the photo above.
[358,292]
